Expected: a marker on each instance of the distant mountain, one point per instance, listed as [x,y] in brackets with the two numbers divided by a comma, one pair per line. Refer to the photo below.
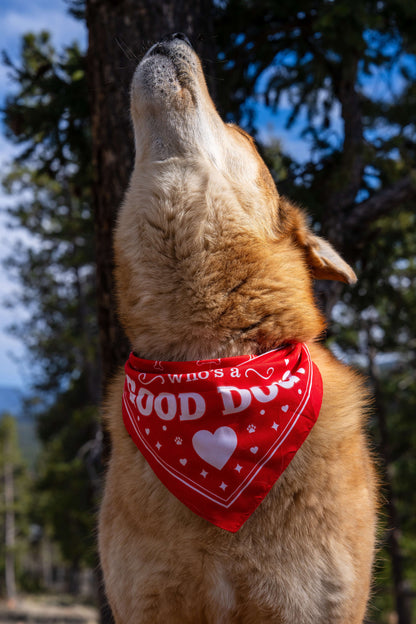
[11,400]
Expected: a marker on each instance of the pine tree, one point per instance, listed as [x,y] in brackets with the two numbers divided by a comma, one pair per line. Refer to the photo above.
[323,61]
[48,118]
[376,329]
[51,177]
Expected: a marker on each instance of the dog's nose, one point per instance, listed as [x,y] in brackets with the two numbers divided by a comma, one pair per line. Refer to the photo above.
[177,35]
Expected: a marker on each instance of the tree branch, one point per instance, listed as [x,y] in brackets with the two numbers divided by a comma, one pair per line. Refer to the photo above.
[381,203]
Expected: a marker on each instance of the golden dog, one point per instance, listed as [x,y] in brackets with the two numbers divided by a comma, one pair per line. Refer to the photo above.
[212,263]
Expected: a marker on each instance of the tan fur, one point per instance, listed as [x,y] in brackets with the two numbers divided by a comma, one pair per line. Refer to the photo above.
[211,262]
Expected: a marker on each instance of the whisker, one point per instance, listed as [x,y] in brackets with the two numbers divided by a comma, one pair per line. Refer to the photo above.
[125,49]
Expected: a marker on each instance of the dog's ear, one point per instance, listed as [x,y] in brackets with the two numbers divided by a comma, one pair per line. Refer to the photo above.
[324,261]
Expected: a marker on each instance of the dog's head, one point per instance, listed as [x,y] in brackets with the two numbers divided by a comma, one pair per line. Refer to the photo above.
[210,259]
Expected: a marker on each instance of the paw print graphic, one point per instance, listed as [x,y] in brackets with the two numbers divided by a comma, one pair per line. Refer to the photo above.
[178,440]
[251,428]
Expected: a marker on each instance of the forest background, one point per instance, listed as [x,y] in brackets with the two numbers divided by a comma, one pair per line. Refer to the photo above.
[328,89]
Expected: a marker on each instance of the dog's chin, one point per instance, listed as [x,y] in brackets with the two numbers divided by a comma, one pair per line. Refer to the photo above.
[155,77]
[159,84]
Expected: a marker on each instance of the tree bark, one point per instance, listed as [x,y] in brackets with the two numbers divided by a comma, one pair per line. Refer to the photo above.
[9,527]
[120,32]
[345,182]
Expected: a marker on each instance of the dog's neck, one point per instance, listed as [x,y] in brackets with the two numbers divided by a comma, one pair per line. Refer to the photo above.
[200,275]
[207,263]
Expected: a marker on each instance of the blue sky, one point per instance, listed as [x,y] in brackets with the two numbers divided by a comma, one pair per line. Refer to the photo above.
[16,18]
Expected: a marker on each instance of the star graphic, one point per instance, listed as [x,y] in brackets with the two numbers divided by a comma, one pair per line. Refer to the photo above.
[204,473]
[238,468]
[223,486]
[158,446]
[275,426]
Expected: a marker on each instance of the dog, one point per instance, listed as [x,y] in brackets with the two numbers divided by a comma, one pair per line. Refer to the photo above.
[211,264]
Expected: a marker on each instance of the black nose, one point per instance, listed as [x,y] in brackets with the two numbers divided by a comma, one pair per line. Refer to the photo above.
[177,35]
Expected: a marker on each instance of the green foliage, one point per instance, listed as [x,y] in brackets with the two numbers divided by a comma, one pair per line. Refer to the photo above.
[76,8]
[345,74]
[67,474]
[376,328]
[48,117]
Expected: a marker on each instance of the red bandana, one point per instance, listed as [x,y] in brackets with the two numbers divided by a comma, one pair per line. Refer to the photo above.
[219,433]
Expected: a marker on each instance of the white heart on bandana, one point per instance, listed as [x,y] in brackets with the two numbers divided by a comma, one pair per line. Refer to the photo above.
[215,448]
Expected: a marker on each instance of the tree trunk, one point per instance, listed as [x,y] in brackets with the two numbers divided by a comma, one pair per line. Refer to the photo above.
[9,529]
[74,579]
[401,587]
[120,31]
